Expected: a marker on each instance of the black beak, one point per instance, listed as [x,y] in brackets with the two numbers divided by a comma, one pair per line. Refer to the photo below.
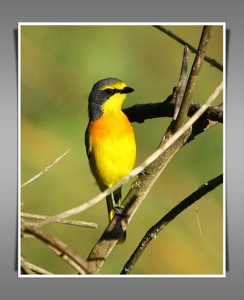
[127,90]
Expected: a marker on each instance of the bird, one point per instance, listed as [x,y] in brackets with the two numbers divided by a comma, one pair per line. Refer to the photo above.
[110,140]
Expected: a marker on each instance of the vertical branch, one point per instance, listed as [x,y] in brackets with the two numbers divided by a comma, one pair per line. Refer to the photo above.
[195,70]
[182,83]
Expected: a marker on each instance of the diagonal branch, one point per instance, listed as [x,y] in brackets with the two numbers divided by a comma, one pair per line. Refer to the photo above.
[212,61]
[45,170]
[58,247]
[171,215]
[29,269]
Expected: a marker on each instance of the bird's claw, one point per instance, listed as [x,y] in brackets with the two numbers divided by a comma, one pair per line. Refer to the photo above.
[117,209]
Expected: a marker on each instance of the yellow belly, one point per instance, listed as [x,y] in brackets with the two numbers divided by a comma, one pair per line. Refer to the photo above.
[112,149]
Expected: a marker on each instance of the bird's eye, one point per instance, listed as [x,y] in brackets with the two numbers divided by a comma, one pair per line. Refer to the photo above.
[109,91]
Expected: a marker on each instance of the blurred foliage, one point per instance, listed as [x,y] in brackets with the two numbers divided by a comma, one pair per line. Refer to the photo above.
[59,65]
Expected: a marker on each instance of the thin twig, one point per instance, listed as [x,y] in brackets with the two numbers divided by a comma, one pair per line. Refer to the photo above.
[59,248]
[212,61]
[198,222]
[171,215]
[45,170]
[25,268]
[29,268]
[62,221]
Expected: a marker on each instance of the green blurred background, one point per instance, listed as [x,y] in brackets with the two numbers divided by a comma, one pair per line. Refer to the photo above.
[59,65]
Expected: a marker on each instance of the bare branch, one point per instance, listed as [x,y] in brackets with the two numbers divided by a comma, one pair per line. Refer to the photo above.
[61,221]
[45,170]
[192,80]
[171,215]
[180,90]
[30,269]
[212,61]
[59,248]
[141,112]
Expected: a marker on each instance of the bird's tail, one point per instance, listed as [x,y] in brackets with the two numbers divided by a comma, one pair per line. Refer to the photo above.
[115,199]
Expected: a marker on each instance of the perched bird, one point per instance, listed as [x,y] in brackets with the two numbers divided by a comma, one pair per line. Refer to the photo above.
[109,139]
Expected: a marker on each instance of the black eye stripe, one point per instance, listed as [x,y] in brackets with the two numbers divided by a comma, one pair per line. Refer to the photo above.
[112,91]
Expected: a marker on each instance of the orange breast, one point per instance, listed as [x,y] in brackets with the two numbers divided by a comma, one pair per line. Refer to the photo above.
[112,149]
